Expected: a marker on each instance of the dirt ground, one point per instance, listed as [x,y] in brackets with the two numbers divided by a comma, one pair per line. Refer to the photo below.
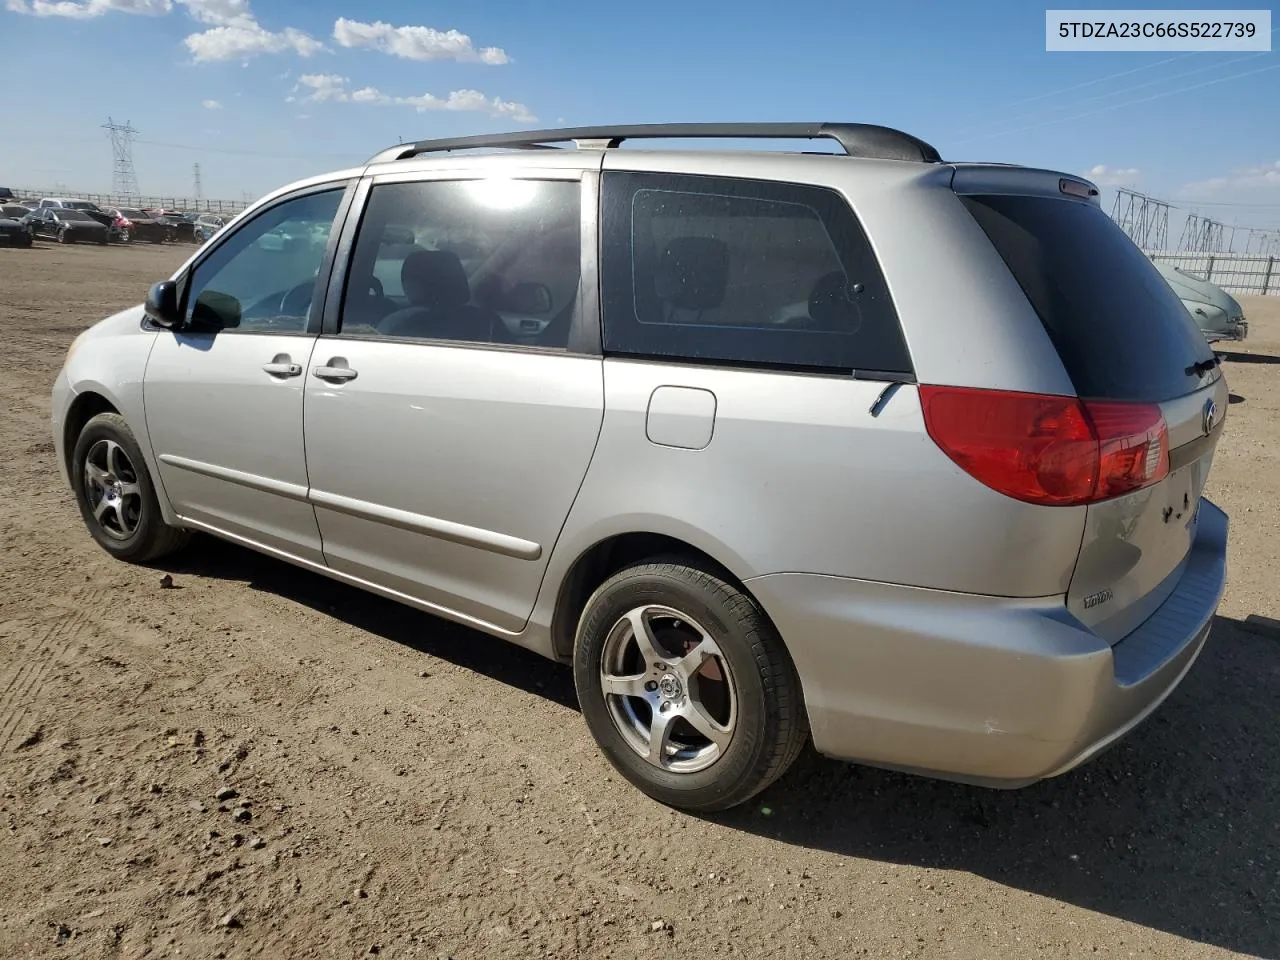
[413,788]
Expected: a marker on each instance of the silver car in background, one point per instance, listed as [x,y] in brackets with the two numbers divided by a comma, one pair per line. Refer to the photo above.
[900,455]
[1218,314]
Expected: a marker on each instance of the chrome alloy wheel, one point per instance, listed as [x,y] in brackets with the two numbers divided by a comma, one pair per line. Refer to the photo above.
[111,488]
[668,689]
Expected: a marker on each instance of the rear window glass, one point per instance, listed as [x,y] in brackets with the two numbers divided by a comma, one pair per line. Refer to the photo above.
[1121,331]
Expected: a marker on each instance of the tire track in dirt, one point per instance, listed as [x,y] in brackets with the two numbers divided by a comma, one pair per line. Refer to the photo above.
[26,677]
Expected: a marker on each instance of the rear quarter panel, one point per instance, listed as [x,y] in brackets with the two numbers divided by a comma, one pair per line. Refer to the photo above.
[799,477]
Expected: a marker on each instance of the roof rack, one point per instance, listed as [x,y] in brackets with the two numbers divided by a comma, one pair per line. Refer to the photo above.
[857,139]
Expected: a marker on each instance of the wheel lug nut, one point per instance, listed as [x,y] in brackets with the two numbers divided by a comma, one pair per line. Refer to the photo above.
[666,705]
[659,667]
[651,686]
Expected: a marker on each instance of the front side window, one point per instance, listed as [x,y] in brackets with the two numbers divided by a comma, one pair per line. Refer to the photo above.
[263,277]
[471,261]
[720,270]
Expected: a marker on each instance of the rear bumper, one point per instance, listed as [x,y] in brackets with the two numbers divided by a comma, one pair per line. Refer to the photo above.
[1000,692]
[1236,330]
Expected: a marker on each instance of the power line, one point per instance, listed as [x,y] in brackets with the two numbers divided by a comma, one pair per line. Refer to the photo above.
[1141,86]
[1115,76]
[1119,106]
[124,181]
[249,153]
[1143,218]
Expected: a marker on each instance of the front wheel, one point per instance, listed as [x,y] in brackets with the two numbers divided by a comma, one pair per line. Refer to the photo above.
[115,494]
[686,686]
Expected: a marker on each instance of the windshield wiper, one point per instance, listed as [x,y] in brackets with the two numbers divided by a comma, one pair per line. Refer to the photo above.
[1204,366]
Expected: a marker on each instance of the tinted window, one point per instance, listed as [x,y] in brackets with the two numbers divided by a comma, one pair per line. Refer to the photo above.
[480,261]
[80,205]
[77,216]
[1121,331]
[263,277]
[705,268]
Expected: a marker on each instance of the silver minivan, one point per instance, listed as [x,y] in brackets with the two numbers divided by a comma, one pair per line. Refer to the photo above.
[894,454]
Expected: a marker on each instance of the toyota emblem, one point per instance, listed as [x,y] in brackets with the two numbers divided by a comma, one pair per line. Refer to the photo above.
[1210,416]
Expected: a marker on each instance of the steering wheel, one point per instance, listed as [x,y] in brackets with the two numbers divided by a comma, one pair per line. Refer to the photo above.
[297,301]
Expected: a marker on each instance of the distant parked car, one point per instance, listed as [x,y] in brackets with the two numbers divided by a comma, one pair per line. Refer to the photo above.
[6,193]
[14,231]
[67,226]
[133,224]
[181,226]
[75,203]
[1218,314]
[207,225]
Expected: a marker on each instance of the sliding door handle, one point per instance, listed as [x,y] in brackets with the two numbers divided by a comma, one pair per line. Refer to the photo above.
[336,371]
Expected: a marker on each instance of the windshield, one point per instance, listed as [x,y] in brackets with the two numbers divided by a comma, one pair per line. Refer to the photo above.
[76,215]
[80,205]
[133,214]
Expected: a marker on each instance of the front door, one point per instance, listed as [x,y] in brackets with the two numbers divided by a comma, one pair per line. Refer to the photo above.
[450,418]
[223,395]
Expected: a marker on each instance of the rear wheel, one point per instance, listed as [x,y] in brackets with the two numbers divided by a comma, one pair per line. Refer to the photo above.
[115,494]
[686,686]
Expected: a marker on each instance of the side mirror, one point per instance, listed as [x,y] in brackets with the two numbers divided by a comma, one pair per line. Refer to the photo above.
[214,311]
[162,304]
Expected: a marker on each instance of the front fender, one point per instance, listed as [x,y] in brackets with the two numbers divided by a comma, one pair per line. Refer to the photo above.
[109,360]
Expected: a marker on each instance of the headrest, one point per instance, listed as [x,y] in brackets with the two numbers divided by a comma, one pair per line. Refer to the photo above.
[693,273]
[830,304]
[435,279]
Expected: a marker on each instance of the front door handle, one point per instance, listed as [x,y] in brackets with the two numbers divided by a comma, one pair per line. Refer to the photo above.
[335,370]
[283,368]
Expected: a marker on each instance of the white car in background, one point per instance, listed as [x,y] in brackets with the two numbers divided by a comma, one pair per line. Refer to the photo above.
[1218,314]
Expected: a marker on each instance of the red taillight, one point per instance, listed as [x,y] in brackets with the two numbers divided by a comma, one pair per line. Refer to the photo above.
[1048,450]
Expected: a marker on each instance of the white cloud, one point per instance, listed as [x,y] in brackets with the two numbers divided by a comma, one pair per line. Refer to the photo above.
[1263,175]
[1105,176]
[323,86]
[87,9]
[235,34]
[211,104]
[242,40]
[332,87]
[415,43]
[219,13]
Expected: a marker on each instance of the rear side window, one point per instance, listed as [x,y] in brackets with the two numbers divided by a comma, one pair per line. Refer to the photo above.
[723,270]
[1120,330]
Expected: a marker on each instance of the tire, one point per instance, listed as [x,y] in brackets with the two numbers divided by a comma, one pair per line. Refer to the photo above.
[133,529]
[760,727]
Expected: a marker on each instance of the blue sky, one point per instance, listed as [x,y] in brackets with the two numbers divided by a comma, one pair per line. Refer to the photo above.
[264,91]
